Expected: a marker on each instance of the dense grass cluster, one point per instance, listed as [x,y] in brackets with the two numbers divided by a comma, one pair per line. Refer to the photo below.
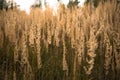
[75,44]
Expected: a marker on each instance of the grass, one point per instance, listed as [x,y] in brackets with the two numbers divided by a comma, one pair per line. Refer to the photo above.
[74,44]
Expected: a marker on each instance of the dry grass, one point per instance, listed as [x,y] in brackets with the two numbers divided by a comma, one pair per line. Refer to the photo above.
[78,44]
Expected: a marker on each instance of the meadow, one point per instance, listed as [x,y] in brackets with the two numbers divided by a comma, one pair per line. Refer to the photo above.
[75,44]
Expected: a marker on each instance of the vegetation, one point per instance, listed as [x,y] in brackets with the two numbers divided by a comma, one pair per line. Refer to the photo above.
[78,44]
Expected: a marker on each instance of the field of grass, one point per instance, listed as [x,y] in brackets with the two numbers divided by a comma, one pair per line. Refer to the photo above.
[75,44]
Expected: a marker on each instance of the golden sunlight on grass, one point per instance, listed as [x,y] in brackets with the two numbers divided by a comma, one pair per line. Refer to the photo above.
[75,44]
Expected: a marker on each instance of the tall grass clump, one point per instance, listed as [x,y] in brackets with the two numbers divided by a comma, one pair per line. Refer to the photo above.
[75,44]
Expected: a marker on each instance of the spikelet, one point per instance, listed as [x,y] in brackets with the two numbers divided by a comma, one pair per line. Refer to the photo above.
[72,32]
[49,35]
[24,55]
[38,46]
[16,49]
[10,33]
[108,53]
[92,46]
[116,50]
[56,36]
[117,53]
[24,48]
[81,47]
[68,23]
[32,34]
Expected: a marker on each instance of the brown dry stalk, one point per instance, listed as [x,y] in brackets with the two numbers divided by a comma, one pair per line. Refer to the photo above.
[65,65]
[14,75]
[74,66]
[1,38]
